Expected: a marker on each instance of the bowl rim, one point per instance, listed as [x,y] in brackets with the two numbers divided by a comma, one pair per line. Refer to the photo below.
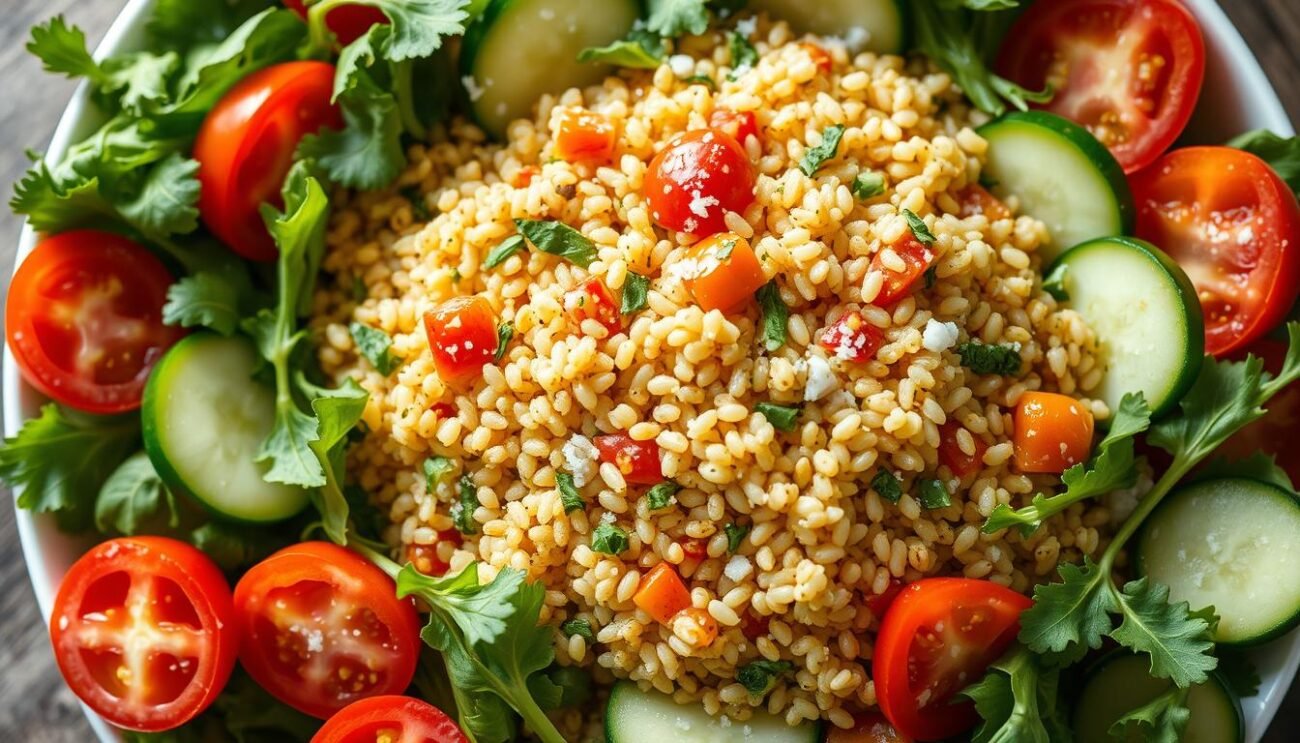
[1217,27]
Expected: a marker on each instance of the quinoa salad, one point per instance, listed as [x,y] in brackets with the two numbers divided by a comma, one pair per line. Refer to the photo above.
[478,371]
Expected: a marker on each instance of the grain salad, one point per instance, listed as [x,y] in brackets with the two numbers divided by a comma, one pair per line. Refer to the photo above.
[779,534]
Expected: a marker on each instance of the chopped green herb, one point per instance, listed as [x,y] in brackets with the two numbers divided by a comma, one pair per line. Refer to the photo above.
[743,54]
[375,345]
[934,494]
[760,676]
[988,359]
[868,185]
[780,416]
[636,288]
[815,157]
[559,239]
[724,252]
[931,277]
[641,50]
[436,468]
[462,511]
[736,534]
[661,496]
[704,80]
[419,207]
[507,247]
[579,627]
[1054,283]
[569,495]
[919,230]
[505,331]
[887,486]
[776,316]
[609,539]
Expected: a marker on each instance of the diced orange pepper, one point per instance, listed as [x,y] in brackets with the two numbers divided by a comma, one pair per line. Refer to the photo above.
[724,273]
[583,135]
[700,625]
[662,593]
[462,337]
[1053,432]
[820,56]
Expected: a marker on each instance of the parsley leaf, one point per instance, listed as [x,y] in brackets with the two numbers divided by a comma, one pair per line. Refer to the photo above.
[660,496]
[1281,153]
[639,50]
[435,469]
[814,157]
[462,511]
[887,486]
[418,26]
[636,289]
[868,185]
[375,345]
[216,298]
[736,534]
[505,332]
[919,230]
[559,239]
[1178,641]
[782,417]
[134,81]
[579,627]
[609,539]
[760,676]
[1018,701]
[776,315]
[1070,617]
[1162,720]
[743,54]
[934,494]
[134,500]
[988,359]
[506,248]
[570,498]
[674,18]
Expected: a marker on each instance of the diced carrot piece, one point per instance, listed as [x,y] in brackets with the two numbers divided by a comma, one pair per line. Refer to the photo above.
[583,135]
[662,593]
[697,624]
[724,273]
[951,454]
[975,199]
[1053,432]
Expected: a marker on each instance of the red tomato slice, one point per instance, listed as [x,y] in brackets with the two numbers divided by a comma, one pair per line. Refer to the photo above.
[462,337]
[637,460]
[84,319]
[697,179]
[937,638]
[393,719]
[245,148]
[1128,70]
[348,22]
[142,632]
[321,627]
[1234,227]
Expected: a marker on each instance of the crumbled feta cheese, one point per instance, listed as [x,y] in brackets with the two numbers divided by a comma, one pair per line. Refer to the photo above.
[682,65]
[747,26]
[580,458]
[821,380]
[855,39]
[472,87]
[939,336]
[700,204]
[738,568]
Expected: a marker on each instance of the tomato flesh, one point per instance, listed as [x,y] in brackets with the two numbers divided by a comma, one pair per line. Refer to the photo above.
[938,637]
[951,453]
[739,125]
[84,319]
[1234,226]
[142,632]
[899,280]
[697,179]
[638,461]
[852,338]
[321,628]
[347,22]
[425,556]
[593,301]
[1128,70]
[390,719]
[462,337]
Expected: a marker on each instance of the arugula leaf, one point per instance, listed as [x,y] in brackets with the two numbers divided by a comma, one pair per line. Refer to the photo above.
[507,247]
[660,496]
[919,230]
[639,50]
[134,499]
[1113,468]
[776,315]
[760,676]
[1281,153]
[609,539]
[868,185]
[505,332]
[782,417]
[376,346]
[934,494]
[989,359]
[675,18]
[743,54]
[736,534]
[887,486]
[578,627]
[636,289]
[558,239]
[1017,701]
[569,495]
[1162,720]
[182,25]
[462,511]
[814,157]
[61,458]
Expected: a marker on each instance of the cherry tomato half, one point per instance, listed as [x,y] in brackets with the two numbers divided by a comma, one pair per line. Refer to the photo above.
[1234,227]
[697,179]
[1128,70]
[592,300]
[348,22]
[937,638]
[84,319]
[245,148]
[142,632]
[321,627]
[390,718]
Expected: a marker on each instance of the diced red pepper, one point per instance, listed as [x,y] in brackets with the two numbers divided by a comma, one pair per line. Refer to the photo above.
[741,125]
[637,460]
[462,337]
[852,338]
[592,301]
[695,548]
[898,284]
[524,176]
[879,603]
[725,273]
[975,199]
[961,463]
[820,56]
[425,556]
[443,410]
[583,135]
[754,627]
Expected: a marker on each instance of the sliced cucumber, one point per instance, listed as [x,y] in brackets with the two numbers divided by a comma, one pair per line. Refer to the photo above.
[1146,316]
[1061,174]
[203,419]
[1120,683]
[635,716]
[884,22]
[519,49]
[1233,544]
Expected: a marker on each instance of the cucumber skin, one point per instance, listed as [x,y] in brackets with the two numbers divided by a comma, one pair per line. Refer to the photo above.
[1193,318]
[153,445]
[1092,149]
[1139,566]
[624,686]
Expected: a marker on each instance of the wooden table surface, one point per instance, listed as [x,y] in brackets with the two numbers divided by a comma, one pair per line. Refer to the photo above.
[35,706]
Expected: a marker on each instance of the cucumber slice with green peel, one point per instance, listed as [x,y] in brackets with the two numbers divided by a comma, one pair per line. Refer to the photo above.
[635,716]
[1233,544]
[1145,313]
[518,50]
[1061,175]
[1121,682]
[203,419]
[884,23]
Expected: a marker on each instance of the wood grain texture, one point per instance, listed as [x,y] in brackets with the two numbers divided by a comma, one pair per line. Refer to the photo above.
[35,706]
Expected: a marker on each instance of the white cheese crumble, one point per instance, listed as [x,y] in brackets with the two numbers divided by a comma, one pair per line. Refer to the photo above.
[472,87]
[939,336]
[854,40]
[738,568]
[700,204]
[821,380]
[747,26]
[682,65]
[580,458]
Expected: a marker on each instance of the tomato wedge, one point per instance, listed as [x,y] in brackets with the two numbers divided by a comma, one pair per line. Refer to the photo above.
[1128,70]
[321,627]
[1234,227]
[245,148]
[392,719]
[142,632]
[937,638]
[84,319]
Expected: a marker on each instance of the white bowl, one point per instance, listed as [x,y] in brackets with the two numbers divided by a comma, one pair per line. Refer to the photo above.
[1237,97]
